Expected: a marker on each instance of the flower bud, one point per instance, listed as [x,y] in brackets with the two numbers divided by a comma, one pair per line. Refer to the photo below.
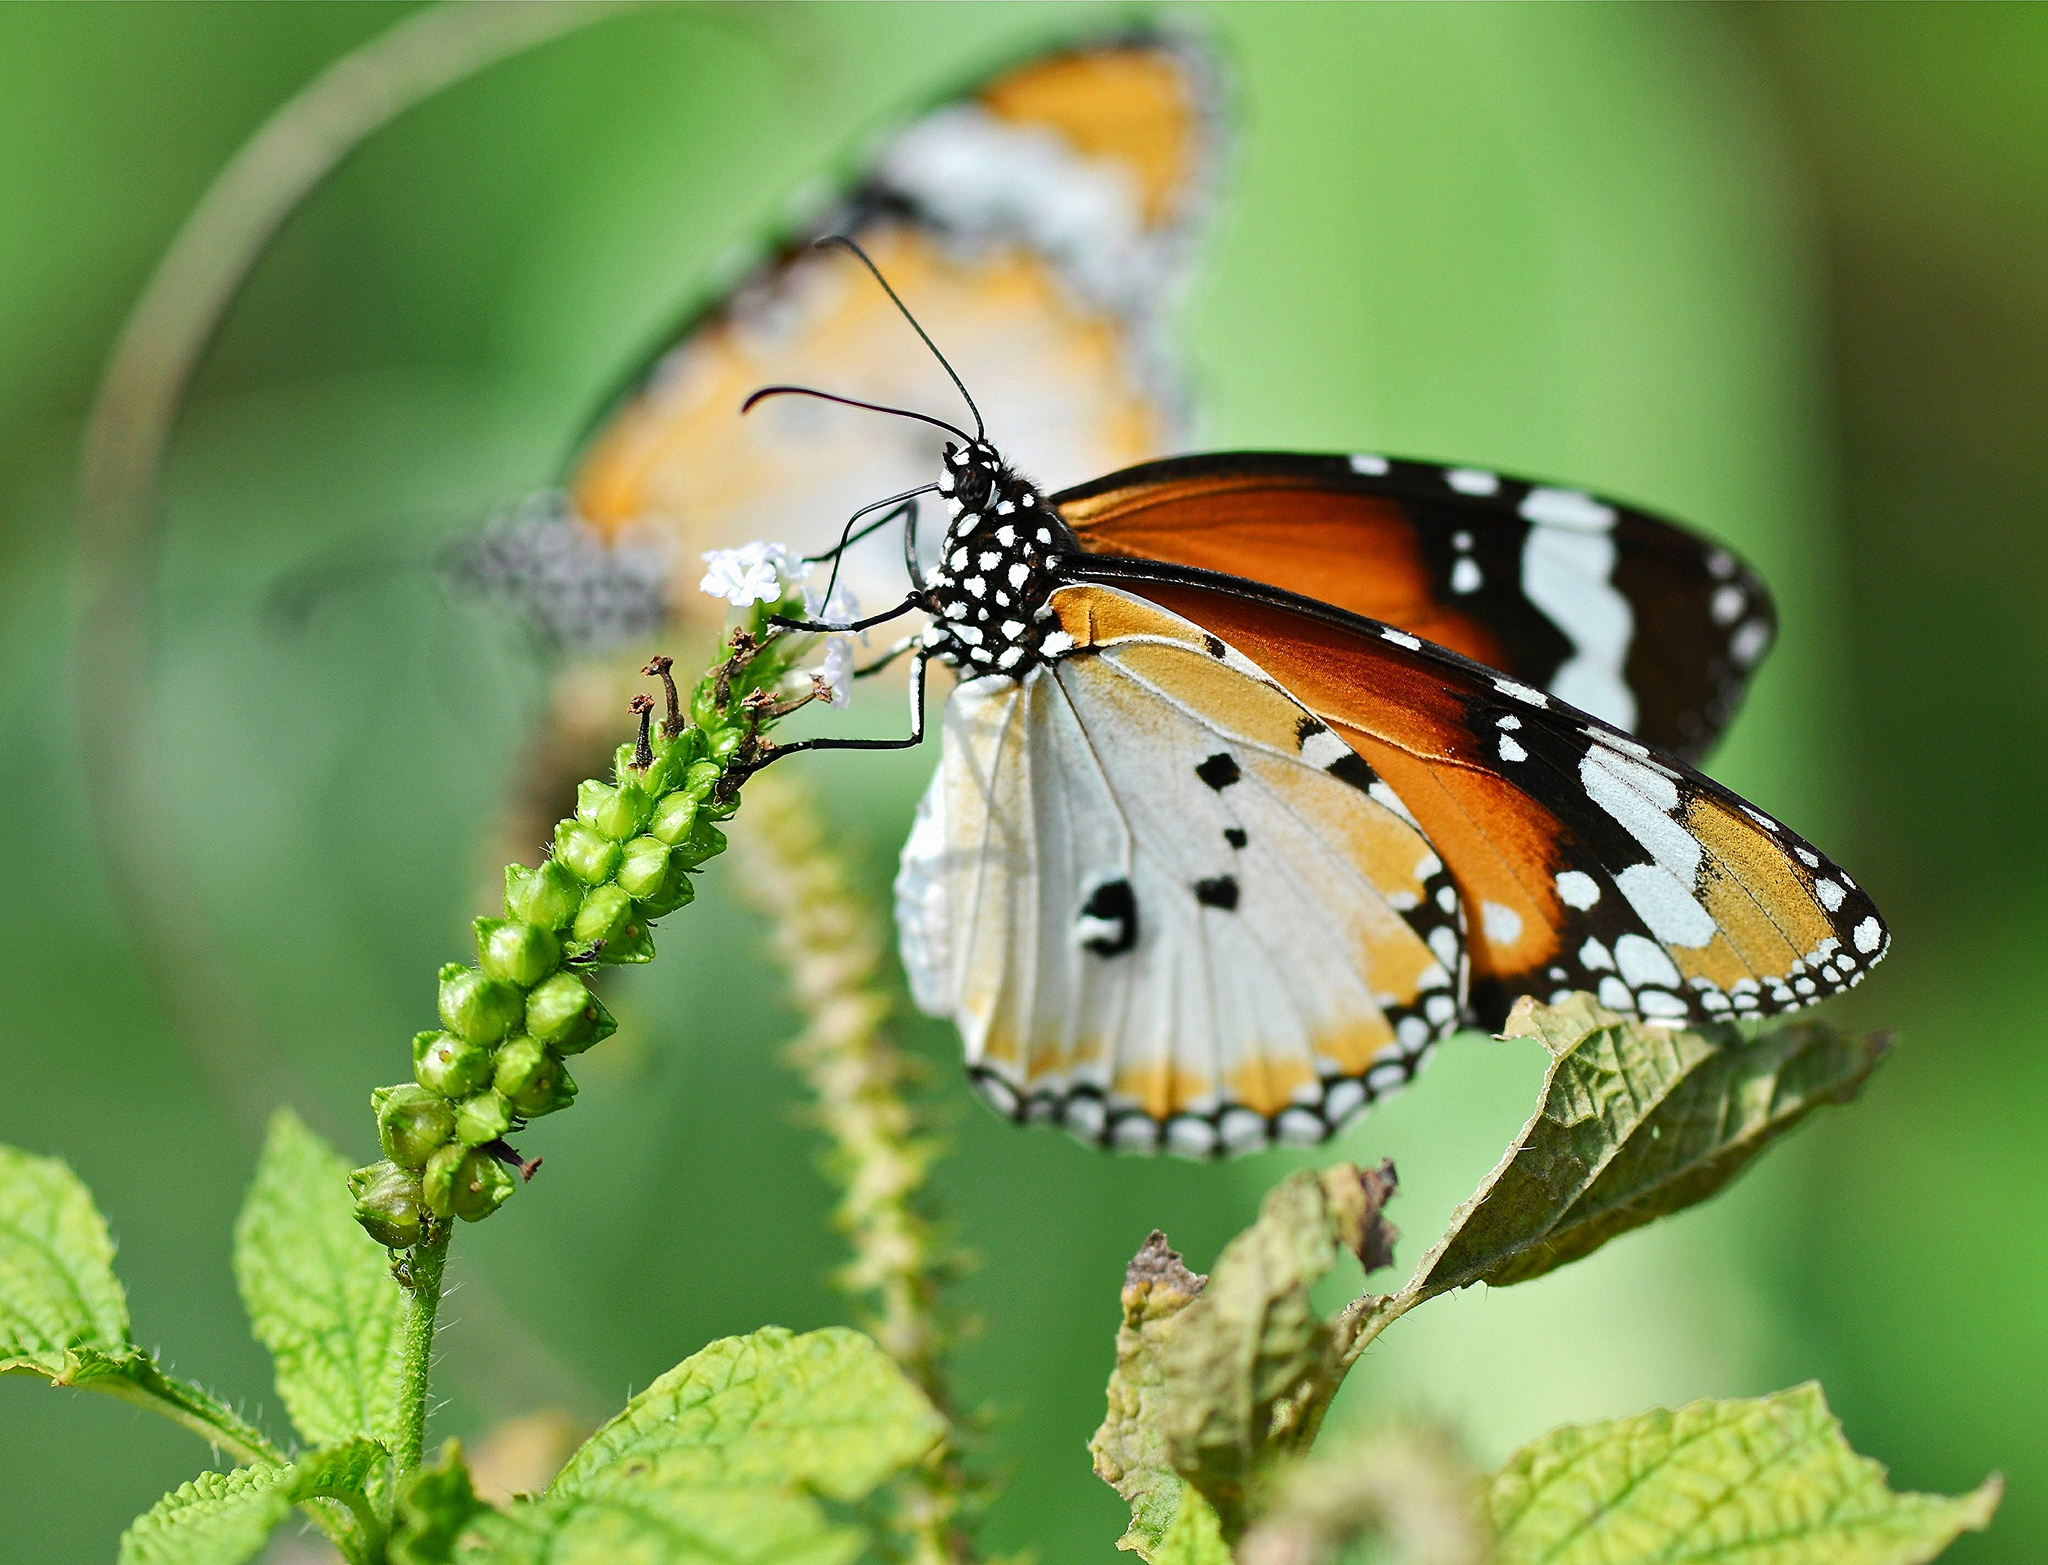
[546,896]
[484,1117]
[673,818]
[449,1066]
[465,1184]
[706,841]
[701,778]
[617,813]
[411,1123]
[516,951]
[564,1015]
[704,708]
[606,914]
[480,1009]
[532,1079]
[591,858]
[725,741]
[388,1204]
[649,870]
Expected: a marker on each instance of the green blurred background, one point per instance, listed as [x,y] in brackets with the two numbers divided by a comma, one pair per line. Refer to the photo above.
[1778,271]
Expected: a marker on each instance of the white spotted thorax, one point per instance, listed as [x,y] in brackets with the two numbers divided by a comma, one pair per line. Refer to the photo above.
[989,596]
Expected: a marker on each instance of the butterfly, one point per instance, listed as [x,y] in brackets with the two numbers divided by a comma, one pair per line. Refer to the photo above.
[1214,859]
[1047,214]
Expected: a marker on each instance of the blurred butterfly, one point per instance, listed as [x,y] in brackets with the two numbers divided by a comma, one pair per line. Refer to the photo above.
[1229,830]
[1047,218]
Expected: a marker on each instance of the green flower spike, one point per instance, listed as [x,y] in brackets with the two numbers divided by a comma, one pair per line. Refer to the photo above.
[622,861]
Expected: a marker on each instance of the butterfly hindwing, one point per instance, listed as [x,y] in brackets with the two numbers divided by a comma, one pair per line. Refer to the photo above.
[1585,860]
[1613,610]
[1161,900]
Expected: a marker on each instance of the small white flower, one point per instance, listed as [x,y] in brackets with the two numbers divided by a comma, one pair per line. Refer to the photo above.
[753,573]
[838,670]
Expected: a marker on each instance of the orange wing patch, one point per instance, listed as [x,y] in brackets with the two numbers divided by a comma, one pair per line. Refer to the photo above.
[1583,859]
[1358,552]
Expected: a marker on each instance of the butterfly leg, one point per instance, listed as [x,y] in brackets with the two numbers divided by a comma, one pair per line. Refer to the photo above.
[914,600]
[914,738]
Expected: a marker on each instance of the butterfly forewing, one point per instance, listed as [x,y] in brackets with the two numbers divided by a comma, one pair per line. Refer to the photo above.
[1616,611]
[1165,904]
[1584,859]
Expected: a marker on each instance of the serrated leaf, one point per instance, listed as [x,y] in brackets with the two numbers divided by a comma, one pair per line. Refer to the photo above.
[1635,1122]
[1769,1481]
[827,1411]
[1130,1447]
[225,1518]
[133,1376]
[319,1291]
[216,1519]
[631,1524]
[437,1502]
[57,1285]
[1249,1368]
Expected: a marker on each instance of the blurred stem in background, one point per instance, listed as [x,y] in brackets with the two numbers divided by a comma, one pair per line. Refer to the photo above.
[119,502]
[881,1144]
[119,506]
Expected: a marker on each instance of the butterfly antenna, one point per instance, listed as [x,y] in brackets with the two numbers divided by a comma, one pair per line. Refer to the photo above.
[841,242]
[873,407]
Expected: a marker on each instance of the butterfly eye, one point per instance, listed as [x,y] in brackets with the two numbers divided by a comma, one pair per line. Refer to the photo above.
[974,486]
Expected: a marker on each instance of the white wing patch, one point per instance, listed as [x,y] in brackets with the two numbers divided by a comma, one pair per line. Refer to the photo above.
[1160,903]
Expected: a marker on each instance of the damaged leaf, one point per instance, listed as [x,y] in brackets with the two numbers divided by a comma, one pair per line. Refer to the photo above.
[1636,1122]
[1130,1447]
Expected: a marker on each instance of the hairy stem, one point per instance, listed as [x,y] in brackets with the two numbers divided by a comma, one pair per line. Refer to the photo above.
[880,1148]
[416,1354]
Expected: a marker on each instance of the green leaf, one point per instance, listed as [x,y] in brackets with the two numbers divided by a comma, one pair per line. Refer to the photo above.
[1195,1538]
[319,1291]
[63,1313]
[827,1411]
[1636,1122]
[133,1376]
[436,1504]
[1130,1447]
[1249,1367]
[57,1285]
[638,1525]
[1763,1482]
[716,1463]
[224,1518]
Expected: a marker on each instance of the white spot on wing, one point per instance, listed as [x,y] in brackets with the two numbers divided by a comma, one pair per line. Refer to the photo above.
[1372,466]
[1567,508]
[1473,480]
[1400,638]
[1868,935]
[1503,924]
[1575,888]
[1568,574]
[1830,894]
[1511,751]
[1667,908]
[1465,575]
[1644,962]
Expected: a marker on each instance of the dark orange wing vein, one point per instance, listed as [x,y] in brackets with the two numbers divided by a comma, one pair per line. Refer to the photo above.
[1622,613]
[1585,860]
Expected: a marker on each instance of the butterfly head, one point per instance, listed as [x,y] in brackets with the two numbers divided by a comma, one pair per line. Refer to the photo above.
[989,595]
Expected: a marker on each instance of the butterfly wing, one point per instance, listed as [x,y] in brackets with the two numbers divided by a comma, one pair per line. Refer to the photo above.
[1155,908]
[1042,222]
[1613,610]
[1584,859]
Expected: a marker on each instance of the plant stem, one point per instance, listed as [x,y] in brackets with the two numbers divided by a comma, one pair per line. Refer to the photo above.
[880,1146]
[416,1354]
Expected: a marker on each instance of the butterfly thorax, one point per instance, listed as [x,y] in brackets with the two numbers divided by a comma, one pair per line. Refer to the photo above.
[988,598]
